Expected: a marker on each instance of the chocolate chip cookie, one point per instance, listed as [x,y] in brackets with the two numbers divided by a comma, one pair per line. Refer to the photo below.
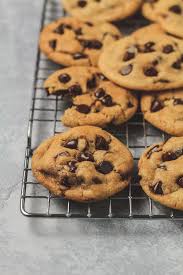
[70,42]
[145,61]
[101,10]
[95,100]
[169,13]
[165,111]
[161,172]
[83,164]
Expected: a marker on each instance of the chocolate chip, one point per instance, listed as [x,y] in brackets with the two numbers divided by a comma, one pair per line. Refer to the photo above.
[162,166]
[64,78]
[67,182]
[85,156]
[168,156]
[148,47]
[96,180]
[157,188]
[79,56]
[178,101]
[152,150]
[107,101]
[91,44]
[155,62]
[168,49]
[151,71]
[89,24]
[130,105]
[92,83]
[101,143]
[53,44]
[179,181]
[100,93]
[75,90]
[126,70]
[78,31]
[156,106]
[101,76]
[72,166]
[124,176]
[61,27]
[82,3]
[128,56]
[176,9]
[72,144]
[105,167]
[82,108]
[164,80]
[177,64]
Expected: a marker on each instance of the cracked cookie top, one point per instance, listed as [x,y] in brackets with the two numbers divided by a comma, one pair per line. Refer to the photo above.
[146,60]
[95,100]
[161,172]
[164,110]
[169,13]
[101,10]
[68,41]
[83,164]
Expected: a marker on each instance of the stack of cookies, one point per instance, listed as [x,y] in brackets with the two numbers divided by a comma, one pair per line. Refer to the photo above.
[103,72]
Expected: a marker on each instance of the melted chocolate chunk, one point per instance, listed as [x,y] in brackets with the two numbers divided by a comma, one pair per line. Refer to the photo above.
[168,156]
[126,70]
[164,80]
[151,71]
[67,182]
[89,24]
[100,93]
[105,167]
[150,152]
[107,101]
[91,44]
[128,56]
[96,180]
[101,143]
[157,188]
[53,44]
[64,78]
[82,3]
[75,90]
[79,56]
[178,101]
[156,106]
[60,29]
[162,166]
[84,109]
[92,83]
[130,105]
[148,47]
[72,166]
[179,181]
[78,31]
[72,144]
[168,49]
[101,76]
[176,9]
[86,156]
[177,64]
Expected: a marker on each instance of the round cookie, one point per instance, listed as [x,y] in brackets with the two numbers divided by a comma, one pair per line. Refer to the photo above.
[83,164]
[165,111]
[169,13]
[161,172]
[145,61]
[68,41]
[96,101]
[101,10]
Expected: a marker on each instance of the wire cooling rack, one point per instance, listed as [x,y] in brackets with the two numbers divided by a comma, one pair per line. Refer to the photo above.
[44,121]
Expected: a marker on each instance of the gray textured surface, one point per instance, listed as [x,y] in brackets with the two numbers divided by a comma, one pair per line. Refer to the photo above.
[52,246]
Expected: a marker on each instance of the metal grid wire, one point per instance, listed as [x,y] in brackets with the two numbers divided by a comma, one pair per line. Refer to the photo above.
[44,121]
